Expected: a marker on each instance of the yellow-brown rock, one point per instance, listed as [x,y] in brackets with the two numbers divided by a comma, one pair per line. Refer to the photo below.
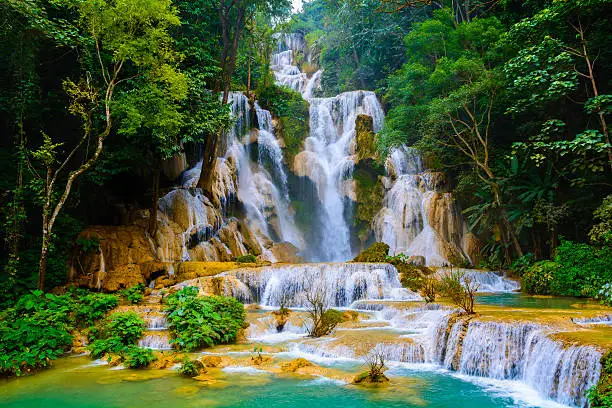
[295,365]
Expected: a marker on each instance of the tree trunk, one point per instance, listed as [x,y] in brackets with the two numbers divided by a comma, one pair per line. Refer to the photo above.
[228,64]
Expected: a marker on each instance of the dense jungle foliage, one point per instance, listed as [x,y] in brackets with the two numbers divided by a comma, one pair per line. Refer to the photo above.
[510,98]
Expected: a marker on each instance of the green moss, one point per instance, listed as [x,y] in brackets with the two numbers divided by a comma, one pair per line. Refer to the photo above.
[369,194]
[377,252]
[366,138]
[249,258]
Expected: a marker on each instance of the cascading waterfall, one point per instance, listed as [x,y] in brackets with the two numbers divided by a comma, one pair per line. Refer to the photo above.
[339,284]
[328,157]
[417,219]
[487,281]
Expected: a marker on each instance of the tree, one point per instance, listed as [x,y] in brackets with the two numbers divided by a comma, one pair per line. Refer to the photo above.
[461,288]
[324,319]
[233,16]
[121,33]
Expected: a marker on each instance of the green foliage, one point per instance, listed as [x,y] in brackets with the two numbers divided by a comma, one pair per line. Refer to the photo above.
[118,334]
[601,233]
[197,322]
[461,289]
[138,357]
[583,269]
[600,396]
[605,294]
[135,294]
[38,328]
[377,252]
[190,368]
[577,270]
[249,258]
[291,112]
[522,264]
[537,279]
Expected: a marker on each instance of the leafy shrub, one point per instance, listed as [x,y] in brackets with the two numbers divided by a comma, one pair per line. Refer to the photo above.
[461,289]
[583,269]
[34,332]
[291,112]
[537,279]
[195,322]
[605,294]
[119,331]
[135,294]
[600,396]
[324,319]
[138,357]
[190,368]
[522,264]
[37,329]
[91,307]
[601,233]
[377,252]
[249,258]
[430,289]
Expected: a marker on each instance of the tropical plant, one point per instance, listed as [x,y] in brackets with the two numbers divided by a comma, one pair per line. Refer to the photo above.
[135,294]
[324,319]
[190,368]
[195,322]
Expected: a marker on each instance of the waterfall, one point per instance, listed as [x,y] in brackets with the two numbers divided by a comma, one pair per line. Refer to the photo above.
[418,219]
[340,284]
[328,159]
[523,352]
[487,281]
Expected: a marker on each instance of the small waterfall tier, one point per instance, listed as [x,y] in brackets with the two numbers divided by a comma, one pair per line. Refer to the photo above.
[286,72]
[487,281]
[339,284]
[418,217]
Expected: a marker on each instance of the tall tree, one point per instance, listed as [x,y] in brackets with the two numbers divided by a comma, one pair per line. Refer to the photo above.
[120,33]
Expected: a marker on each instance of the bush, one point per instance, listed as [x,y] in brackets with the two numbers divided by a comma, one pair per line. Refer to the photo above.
[190,368]
[461,289]
[91,307]
[135,294]
[38,328]
[600,396]
[291,112]
[537,279]
[429,289]
[605,294]
[583,270]
[138,357]
[377,252]
[324,320]
[250,258]
[34,332]
[195,322]
[120,331]
[522,264]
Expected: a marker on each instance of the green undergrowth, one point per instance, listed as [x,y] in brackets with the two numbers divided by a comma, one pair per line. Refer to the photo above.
[196,322]
[411,276]
[39,327]
[291,113]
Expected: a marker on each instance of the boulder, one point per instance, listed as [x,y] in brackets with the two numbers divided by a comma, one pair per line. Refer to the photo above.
[365,137]
[286,252]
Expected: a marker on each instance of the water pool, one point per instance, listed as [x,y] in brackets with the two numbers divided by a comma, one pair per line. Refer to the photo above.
[75,382]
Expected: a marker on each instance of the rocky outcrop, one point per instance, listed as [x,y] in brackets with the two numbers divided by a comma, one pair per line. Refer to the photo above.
[365,138]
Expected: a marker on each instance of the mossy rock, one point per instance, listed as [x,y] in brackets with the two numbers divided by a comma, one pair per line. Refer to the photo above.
[377,252]
[366,138]
[367,379]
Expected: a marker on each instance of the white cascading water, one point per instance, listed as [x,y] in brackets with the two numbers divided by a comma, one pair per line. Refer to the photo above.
[341,283]
[486,281]
[416,219]
[329,151]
